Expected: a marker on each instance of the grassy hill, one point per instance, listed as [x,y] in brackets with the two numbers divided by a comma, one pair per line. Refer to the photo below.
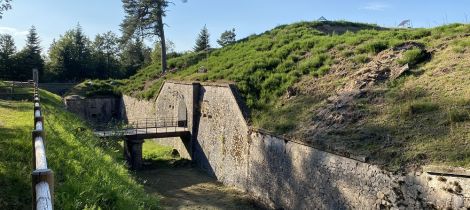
[87,174]
[397,97]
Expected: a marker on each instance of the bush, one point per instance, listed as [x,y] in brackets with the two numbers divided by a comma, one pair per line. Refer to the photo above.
[413,57]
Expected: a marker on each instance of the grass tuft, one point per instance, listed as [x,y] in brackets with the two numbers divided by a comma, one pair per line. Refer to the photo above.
[422,107]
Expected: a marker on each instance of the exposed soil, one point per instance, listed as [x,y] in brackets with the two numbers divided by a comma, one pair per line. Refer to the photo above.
[181,186]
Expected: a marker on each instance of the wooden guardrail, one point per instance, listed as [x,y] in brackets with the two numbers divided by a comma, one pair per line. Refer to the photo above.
[42,176]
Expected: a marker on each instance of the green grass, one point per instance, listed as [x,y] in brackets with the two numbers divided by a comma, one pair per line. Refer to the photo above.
[95,88]
[459,115]
[413,57]
[422,107]
[155,151]
[86,175]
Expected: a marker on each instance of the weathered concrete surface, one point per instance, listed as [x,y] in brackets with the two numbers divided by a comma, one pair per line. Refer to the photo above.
[285,174]
[294,176]
[132,108]
[94,110]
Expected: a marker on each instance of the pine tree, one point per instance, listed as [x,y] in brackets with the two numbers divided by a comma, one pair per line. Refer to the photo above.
[29,57]
[32,41]
[227,38]
[7,50]
[144,18]
[202,41]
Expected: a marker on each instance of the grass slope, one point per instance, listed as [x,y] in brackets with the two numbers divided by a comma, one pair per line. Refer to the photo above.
[87,176]
[292,72]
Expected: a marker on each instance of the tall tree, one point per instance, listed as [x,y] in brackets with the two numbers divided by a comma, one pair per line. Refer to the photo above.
[30,57]
[135,55]
[145,18]
[4,6]
[7,50]
[202,41]
[105,54]
[227,38]
[70,56]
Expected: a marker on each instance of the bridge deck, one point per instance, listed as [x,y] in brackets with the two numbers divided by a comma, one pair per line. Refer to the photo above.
[143,133]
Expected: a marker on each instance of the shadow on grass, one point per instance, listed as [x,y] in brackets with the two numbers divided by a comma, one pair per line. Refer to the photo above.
[15,168]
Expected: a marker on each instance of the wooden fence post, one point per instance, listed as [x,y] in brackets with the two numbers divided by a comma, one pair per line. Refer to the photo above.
[42,175]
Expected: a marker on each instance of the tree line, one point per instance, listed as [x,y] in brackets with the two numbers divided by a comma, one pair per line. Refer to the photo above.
[74,57]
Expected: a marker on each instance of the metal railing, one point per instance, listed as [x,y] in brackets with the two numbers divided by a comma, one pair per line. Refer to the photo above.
[42,176]
[144,126]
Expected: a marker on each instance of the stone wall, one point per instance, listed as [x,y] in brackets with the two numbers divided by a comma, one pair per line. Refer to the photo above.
[286,174]
[132,108]
[94,110]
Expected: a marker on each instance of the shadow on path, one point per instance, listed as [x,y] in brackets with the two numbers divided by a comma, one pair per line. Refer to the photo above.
[182,186]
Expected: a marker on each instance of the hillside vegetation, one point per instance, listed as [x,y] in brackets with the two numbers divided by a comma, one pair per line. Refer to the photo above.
[87,175]
[394,97]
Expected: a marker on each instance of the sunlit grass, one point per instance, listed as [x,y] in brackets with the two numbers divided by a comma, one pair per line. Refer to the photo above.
[86,175]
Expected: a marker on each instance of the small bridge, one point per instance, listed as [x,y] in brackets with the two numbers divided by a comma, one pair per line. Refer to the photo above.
[145,129]
[136,131]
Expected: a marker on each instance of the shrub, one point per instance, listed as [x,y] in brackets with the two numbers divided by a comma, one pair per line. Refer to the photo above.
[413,57]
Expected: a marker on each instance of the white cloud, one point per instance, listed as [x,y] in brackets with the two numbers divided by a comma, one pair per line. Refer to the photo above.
[375,6]
[13,31]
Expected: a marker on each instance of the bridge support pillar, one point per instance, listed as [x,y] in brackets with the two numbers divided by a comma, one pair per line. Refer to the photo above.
[133,153]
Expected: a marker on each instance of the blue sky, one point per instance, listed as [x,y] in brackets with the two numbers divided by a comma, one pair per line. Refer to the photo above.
[53,17]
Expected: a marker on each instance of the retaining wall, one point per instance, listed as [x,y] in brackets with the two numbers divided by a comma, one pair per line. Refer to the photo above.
[94,110]
[286,174]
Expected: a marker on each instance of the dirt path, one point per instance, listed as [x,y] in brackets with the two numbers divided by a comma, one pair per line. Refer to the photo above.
[186,187]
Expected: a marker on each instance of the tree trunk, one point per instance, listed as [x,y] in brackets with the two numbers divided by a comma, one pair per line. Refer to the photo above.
[162,42]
